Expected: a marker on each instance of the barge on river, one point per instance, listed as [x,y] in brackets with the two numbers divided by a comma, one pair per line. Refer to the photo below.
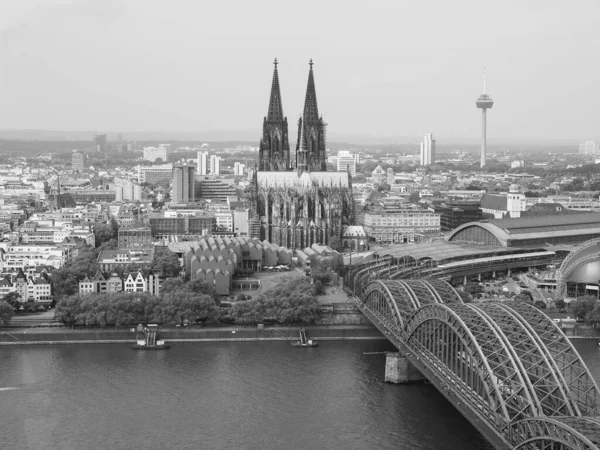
[150,339]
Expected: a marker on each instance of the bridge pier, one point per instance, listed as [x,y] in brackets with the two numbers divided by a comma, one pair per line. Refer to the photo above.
[464,280]
[399,370]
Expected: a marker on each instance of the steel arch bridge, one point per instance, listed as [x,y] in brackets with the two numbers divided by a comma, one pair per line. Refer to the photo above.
[506,366]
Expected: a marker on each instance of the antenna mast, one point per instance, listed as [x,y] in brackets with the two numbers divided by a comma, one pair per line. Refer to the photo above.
[484,77]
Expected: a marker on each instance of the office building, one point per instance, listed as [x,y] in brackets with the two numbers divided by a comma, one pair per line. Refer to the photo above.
[238,169]
[428,150]
[456,212]
[200,225]
[135,237]
[183,184]
[211,189]
[154,174]
[79,161]
[202,163]
[346,162]
[99,142]
[589,148]
[127,190]
[215,165]
[399,225]
[153,153]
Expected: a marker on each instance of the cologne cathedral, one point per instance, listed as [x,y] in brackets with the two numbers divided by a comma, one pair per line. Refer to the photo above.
[298,203]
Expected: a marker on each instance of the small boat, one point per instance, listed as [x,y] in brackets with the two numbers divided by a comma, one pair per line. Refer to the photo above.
[304,341]
[309,343]
[150,341]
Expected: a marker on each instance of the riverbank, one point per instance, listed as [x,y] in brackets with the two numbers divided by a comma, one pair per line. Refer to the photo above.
[49,336]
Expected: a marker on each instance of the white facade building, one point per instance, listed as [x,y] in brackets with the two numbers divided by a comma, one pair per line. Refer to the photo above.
[428,150]
[215,165]
[153,153]
[238,169]
[346,161]
[202,163]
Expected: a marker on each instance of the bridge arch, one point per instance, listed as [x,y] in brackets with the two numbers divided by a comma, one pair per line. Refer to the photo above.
[549,433]
[460,347]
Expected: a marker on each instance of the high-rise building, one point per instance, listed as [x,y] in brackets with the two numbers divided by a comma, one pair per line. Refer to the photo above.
[183,184]
[215,165]
[346,161]
[202,163]
[79,161]
[99,142]
[428,150]
[238,169]
[154,153]
[484,102]
[588,148]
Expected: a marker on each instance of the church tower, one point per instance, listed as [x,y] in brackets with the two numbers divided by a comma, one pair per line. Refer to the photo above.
[310,148]
[274,151]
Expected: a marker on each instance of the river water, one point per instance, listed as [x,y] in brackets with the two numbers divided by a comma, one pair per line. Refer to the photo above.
[246,395]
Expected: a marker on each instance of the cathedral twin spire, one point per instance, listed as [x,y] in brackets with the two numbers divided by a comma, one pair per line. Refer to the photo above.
[274,152]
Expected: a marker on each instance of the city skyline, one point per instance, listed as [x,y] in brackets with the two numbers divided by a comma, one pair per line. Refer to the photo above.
[49,81]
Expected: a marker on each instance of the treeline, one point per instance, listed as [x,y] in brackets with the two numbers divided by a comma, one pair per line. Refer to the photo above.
[178,303]
[290,301]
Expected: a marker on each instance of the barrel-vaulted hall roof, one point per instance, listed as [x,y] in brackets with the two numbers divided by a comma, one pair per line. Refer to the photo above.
[538,227]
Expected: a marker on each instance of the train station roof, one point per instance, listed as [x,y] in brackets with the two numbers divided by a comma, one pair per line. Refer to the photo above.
[444,251]
[549,229]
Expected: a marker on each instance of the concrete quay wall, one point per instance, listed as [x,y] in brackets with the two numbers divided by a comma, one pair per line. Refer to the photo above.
[229,334]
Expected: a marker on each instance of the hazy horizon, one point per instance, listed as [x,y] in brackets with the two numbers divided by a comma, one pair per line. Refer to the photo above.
[396,69]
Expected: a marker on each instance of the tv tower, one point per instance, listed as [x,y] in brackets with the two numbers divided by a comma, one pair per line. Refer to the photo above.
[483,102]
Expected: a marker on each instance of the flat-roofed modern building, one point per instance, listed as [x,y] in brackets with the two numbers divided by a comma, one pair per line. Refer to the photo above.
[135,237]
[183,184]
[154,174]
[346,161]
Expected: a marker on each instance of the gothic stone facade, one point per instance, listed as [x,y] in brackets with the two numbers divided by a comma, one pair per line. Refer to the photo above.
[298,211]
[302,205]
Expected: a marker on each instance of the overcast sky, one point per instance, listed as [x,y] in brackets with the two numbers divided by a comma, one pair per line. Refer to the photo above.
[393,68]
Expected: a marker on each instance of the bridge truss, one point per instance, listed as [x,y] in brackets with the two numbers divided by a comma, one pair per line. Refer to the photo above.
[505,365]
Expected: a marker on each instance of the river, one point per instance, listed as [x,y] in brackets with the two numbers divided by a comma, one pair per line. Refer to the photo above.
[245,395]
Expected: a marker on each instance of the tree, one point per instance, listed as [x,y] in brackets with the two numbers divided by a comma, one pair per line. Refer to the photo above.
[560,305]
[319,289]
[465,296]
[593,316]
[6,313]
[68,309]
[540,304]
[525,296]
[165,263]
[474,289]
[359,178]
[583,305]
[103,233]
[335,243]
[13,299]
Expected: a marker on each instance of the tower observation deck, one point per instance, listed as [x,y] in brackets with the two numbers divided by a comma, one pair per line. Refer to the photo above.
[483,102]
